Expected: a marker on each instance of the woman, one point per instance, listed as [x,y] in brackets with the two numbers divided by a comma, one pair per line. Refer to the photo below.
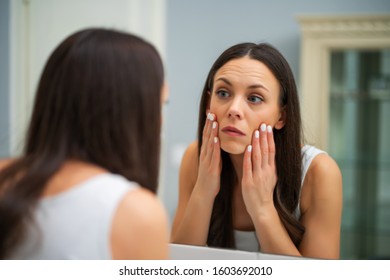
[249,182]
[84,186]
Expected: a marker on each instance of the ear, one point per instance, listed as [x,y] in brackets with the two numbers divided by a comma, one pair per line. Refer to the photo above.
[208,102]
[165,93]
[282,119]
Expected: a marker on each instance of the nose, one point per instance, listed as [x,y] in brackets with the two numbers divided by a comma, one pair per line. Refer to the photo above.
[235,110]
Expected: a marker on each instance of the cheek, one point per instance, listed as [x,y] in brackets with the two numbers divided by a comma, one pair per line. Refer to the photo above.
[255,122]
[215,109]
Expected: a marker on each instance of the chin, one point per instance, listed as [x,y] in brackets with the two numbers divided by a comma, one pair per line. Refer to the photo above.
[233,148]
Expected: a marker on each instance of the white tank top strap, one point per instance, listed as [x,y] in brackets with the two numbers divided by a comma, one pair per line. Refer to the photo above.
[308,154]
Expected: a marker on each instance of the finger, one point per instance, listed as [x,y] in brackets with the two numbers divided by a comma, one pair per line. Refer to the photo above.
[247,174]
[216,157]
[207,127]
[256,154]
[211,140]
[271,146]
[264,145]
[214,129]
[206,134]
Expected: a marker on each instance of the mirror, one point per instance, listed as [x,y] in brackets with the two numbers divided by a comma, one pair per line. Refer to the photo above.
[189,44]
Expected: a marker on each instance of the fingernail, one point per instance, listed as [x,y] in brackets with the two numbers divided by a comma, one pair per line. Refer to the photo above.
[269,128]
[250,148]
[257,134]
[263,127]
[215,139]
[214,125]
[210,117]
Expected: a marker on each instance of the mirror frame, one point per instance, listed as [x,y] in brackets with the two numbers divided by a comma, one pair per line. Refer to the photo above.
[321,35]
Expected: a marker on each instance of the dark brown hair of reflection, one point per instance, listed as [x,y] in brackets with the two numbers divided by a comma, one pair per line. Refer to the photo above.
[287,141]
[98,101]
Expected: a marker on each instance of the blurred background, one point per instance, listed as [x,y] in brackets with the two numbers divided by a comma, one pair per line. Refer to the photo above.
[339,51]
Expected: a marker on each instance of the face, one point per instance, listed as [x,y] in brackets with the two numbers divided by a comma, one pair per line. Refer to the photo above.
[245,94]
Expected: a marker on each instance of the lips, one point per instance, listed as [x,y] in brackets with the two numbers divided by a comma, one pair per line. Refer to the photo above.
[232,131]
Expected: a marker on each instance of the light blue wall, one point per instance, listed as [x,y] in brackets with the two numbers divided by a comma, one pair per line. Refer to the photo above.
[4,77]
[198,31]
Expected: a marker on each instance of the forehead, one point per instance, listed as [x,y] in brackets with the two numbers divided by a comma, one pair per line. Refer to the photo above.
[245,66]
[247,72]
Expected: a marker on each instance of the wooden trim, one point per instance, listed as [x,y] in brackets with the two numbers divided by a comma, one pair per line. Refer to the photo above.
[320,35]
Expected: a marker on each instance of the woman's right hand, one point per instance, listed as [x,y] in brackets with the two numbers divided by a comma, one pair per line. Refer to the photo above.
[210,164]
[198,189]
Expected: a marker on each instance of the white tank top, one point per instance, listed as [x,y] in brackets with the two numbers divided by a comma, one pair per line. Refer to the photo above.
[247,240]
[75,224]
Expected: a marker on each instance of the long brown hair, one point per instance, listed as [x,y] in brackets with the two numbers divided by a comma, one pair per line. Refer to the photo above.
[287,141]
[97,92]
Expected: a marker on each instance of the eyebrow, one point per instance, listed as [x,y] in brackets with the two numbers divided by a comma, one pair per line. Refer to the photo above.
[250,87]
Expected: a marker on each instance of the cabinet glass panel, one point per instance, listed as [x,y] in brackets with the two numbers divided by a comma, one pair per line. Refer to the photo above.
[359,140]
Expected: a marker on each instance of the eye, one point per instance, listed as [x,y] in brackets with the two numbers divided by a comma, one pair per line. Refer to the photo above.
[255,99]
[222,93]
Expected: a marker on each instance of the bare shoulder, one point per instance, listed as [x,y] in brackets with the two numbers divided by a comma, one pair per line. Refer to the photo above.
[324,168]
[187,179]
[140,227]
[323,181]
[143,204]
[321,206]
[191,153]
[189,164]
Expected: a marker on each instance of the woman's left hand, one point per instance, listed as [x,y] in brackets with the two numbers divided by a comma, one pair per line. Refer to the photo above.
[259,172]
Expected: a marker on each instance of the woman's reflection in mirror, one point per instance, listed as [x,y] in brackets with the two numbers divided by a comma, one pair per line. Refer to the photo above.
[250,181]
